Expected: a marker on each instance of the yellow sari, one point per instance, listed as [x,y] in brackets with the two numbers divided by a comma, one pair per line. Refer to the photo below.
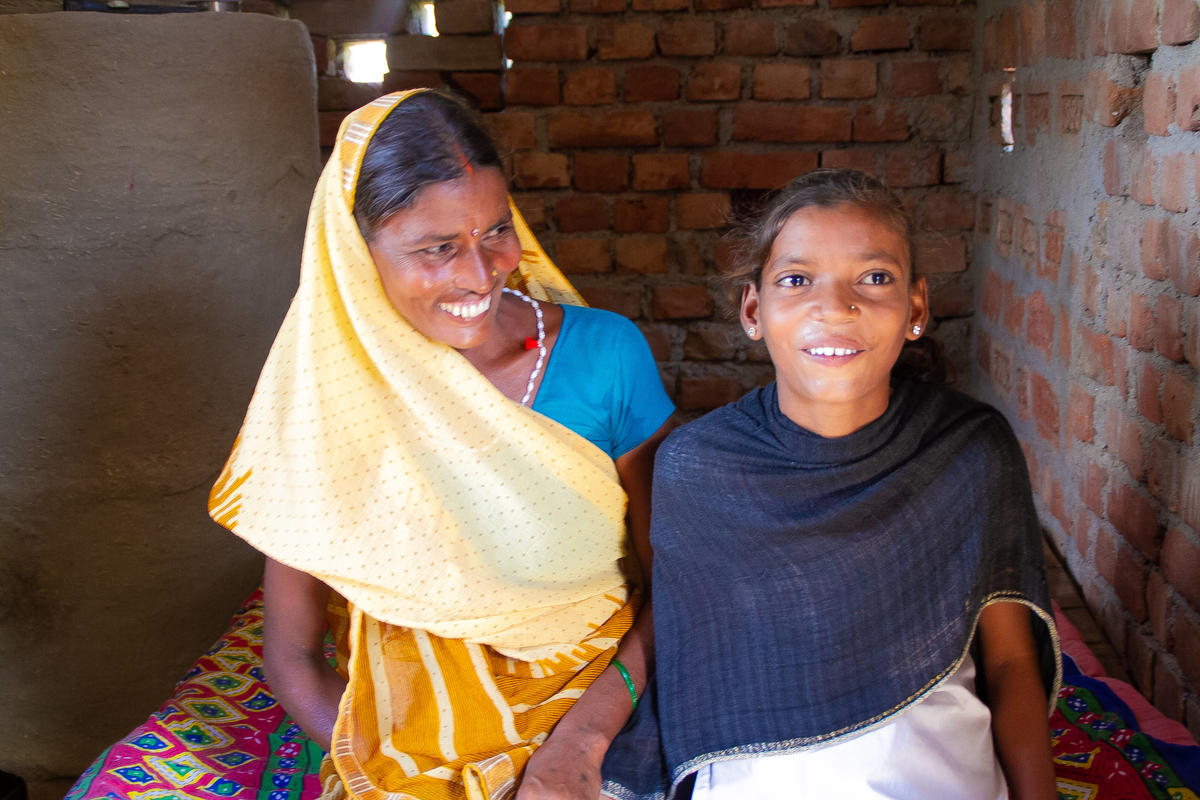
[475,541]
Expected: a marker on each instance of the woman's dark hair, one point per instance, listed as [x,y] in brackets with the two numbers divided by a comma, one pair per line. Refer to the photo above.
[429,138]
[753,237]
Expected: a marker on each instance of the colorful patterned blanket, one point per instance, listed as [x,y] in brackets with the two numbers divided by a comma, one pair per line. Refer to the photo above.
[222,735]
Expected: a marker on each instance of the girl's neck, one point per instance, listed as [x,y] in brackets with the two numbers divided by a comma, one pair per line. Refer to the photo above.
[834,420]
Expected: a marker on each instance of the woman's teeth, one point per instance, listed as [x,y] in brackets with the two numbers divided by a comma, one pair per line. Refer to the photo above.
[467,310]
[832,351]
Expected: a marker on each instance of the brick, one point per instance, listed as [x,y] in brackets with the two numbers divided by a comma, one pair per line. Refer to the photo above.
[1158,104]
[681,301]
[720,80]
[642,214]
[1106,556]
[1132,514]
[848,79]
[1033,34]
[713,341]
[1149,386]
[1178,399]
[341,94]
[591,86]
[659,338]
[881,123]
[720,5]
[1141,186]
[1133,27]
[642,254]
[651,82]
[1124,439]
[946,33]
[1189,498]
[533,86]
[533,209]
[863,159]
[1040,324]
[956,167]
[1186,268]
[658,171]
[660,5]
[513,130]
[1186,644]
[1168,692]
[399,80]
[581,213]
[1064,337]
[1187,100]
[915,78]
[1118,311]
[1158,606]
[750,37]
[811,38]
[1001,367]
[1104,102]
[324,51]
[687,37]
[1114,183]
[1174,193]
[519,7]
[992,296]
[1081,409]
[731,169]
[1061,41]
[1046,411]
[552,43]
[446,53]
[689,127]
[1005,36]
[627,40]
[582,256]
[948,211]
[1070,113]
[626,301]
[1131,584]
[601,172]
[350,17]
[1180,560]
[1096,356]
[1162,472]
[789,123]
[483,87]
[699,211]
[701,394]
[785,3]
[1168,328]
[1091,487]
[1180,21]
[782,81]
[1156,247]
[939,254]
[889,32]
[625,128]
[540,171]
[908,167]
[1141,322]
[597,6]
[464,16]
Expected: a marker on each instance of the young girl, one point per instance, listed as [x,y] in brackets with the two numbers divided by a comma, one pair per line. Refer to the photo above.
[849,594]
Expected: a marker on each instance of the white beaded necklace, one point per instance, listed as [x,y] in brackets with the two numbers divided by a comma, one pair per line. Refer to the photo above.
[540,343]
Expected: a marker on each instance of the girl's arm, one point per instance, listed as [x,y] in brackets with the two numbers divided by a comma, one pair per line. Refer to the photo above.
[293,650]
[1020,724]
[567,765]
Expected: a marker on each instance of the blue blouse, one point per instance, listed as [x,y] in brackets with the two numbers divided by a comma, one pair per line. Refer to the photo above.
[601,381]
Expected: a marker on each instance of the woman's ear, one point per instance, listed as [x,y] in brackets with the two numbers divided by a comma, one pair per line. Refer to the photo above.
[749,312]
[918,308]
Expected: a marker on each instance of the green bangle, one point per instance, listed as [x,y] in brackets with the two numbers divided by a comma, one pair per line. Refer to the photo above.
[628,681]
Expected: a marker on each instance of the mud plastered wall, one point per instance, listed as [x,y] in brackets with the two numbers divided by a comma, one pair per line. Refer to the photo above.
[157,172]
[1087,270]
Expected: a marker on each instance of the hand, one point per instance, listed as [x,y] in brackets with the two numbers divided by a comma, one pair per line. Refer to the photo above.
[565,767]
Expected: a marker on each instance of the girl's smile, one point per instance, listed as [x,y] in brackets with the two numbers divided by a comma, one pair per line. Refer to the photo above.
[835,303]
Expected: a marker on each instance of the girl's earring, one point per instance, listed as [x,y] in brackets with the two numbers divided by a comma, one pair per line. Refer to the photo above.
[751,331]
[916,330]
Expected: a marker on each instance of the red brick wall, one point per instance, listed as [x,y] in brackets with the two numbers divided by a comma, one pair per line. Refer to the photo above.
[1087,270]
[636,125]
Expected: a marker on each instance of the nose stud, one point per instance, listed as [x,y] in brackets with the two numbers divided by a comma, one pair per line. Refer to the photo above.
[474,233]
[853,307]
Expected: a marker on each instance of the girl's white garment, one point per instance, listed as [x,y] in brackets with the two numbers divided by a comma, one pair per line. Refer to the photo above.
[938,749]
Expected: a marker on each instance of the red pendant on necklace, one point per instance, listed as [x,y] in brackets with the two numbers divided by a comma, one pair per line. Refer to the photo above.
[530,343]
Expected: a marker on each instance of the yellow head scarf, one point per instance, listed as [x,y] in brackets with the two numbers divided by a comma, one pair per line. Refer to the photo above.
[386,465]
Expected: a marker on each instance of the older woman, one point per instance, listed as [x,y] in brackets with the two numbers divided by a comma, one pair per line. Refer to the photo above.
[446,439]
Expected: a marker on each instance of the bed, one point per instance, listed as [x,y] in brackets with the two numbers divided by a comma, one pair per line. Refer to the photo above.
[223,735]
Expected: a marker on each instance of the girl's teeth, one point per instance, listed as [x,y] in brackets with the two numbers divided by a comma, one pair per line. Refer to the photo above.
[831,351]
[467,310]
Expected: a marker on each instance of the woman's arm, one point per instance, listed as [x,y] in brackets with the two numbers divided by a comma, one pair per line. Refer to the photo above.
[293,650]
[1020,724]
[567,765]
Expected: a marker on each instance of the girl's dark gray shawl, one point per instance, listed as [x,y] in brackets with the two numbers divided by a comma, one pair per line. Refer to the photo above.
[807,588]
